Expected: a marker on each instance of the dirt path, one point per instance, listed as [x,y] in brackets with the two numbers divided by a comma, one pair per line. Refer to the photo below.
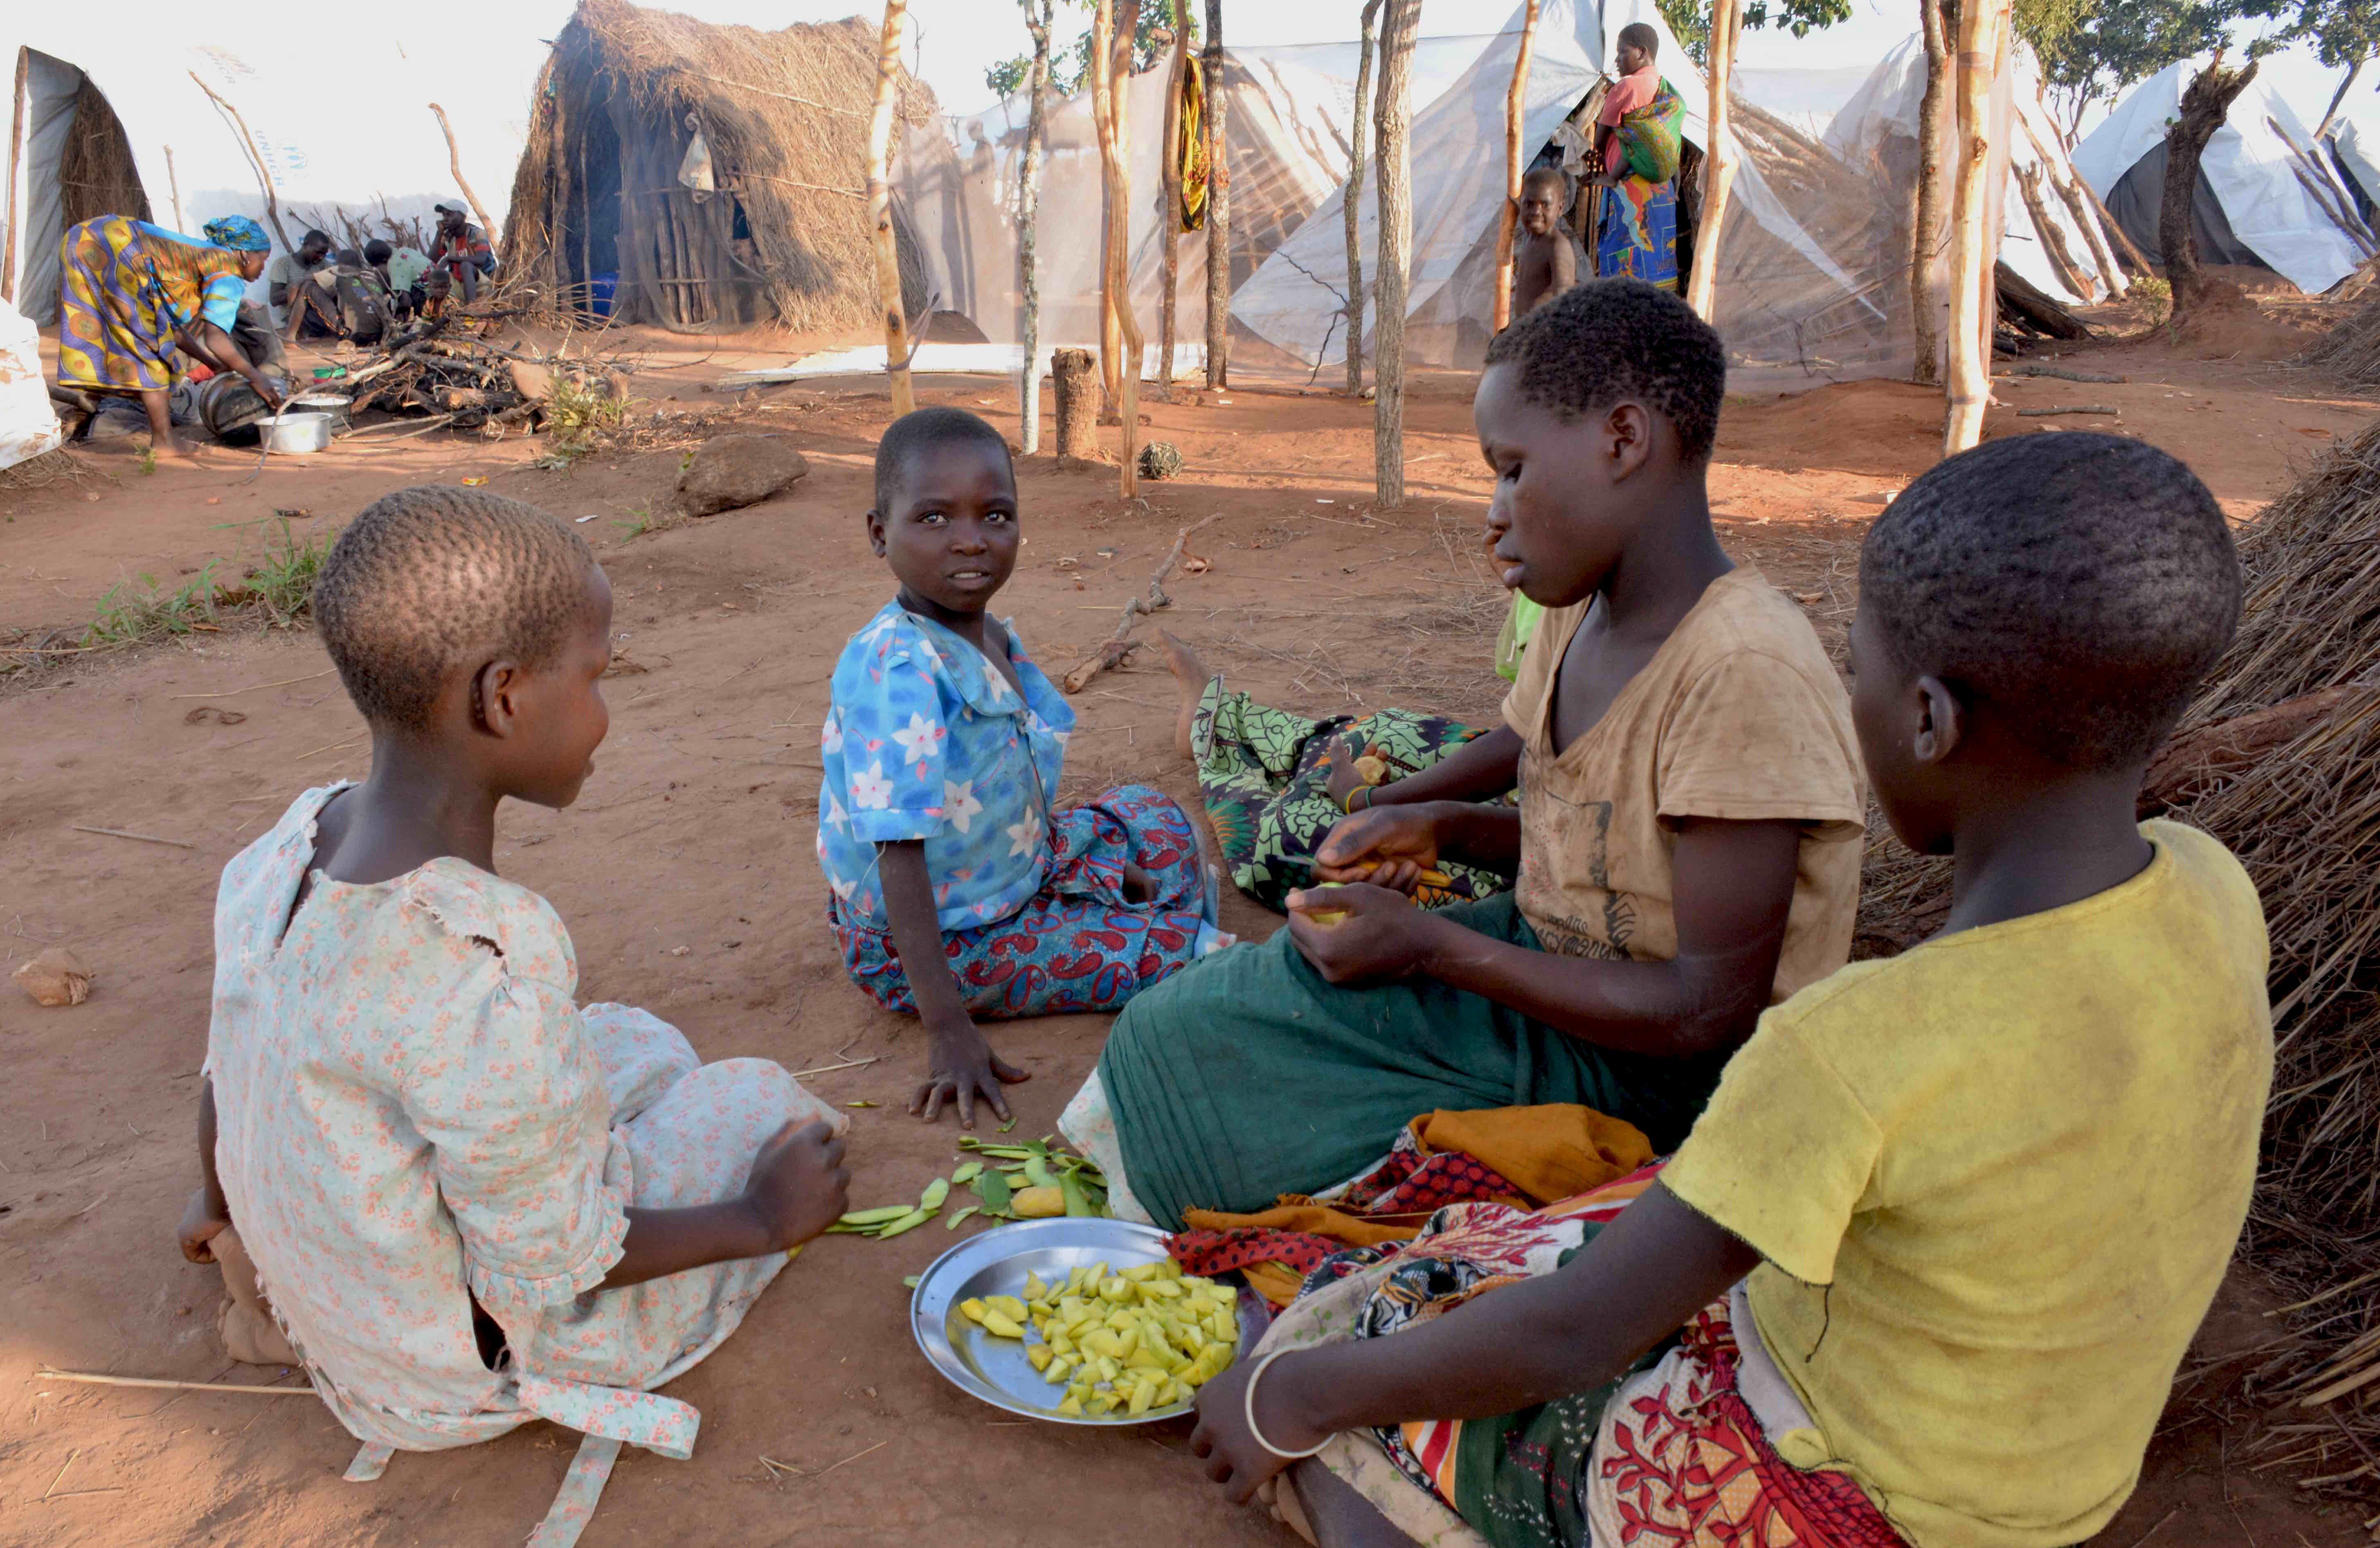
[687,880]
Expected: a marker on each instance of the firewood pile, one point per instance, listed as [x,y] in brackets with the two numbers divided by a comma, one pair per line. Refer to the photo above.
[445,366]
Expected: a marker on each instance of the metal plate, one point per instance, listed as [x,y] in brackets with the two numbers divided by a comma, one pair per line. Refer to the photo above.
[995,1262]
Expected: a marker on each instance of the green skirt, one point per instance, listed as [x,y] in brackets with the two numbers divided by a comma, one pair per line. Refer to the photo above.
[1248,1076]
[1265,777]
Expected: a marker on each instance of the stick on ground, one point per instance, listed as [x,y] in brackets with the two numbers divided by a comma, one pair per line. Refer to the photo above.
[2077,408]
[2065,375]
[95,1378]
[1118,645]
[120,833]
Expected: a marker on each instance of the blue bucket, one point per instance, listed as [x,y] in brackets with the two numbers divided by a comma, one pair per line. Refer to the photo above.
[599,294]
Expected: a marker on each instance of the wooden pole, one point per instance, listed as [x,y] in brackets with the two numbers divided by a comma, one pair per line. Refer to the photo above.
[1926,229]
[174,183]
[455,163]
[1219,206]
[1170,224]
[255,158]
[1353,197]
[880,209]
[1969,387]
[1516,102]
[1392,120]
[1028,216]
[1719,159]
[17,112]
[1103,131]
[1112,74]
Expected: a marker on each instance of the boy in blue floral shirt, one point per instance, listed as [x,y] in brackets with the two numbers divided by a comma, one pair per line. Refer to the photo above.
[957,892]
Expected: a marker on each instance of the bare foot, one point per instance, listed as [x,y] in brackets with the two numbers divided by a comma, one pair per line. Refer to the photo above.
[1279,1497]
[1192,675]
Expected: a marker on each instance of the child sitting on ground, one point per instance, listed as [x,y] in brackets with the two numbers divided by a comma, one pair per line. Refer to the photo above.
[957,891]
[1985,1189]
[469,1203]
[1687,840]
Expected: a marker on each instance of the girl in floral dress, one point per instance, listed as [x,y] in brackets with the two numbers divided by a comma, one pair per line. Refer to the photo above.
[957,891]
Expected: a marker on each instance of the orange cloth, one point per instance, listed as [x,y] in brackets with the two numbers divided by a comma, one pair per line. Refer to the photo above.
[1553,1152]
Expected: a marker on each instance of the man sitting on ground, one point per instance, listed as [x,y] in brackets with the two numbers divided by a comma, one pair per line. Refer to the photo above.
[305,306]
[461,251]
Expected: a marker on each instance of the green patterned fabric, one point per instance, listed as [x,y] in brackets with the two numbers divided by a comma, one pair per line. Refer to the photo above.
[1264,777]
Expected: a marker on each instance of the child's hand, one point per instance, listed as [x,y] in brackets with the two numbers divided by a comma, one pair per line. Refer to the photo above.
[1388,846]
[964,1068]
[798,1186]
[206,1218]
[1378,939]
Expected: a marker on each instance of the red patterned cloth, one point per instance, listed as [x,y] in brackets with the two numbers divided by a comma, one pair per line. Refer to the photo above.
[1681,1459]
[1396,1199]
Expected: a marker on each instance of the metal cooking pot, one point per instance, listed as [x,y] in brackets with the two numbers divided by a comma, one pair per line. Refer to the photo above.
[296,434]
[230,409]
[337,405]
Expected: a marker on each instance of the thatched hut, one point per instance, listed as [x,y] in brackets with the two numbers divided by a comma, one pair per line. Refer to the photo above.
[704,177]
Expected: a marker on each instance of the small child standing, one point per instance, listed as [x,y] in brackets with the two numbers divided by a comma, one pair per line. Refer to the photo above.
[469,1203]
[957,891]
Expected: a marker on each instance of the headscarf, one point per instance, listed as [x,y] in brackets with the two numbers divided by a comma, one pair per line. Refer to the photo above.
[239,233]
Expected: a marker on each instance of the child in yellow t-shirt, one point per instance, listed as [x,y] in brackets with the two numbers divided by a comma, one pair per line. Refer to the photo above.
[1941,1238]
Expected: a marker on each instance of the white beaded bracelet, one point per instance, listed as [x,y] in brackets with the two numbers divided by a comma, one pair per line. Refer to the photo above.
[1248,1395]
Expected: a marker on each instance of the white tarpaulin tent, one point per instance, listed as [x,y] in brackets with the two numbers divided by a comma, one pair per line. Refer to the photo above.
[2358,158]
[2042,239]
[298,90]
[1788,301]
[2264,195]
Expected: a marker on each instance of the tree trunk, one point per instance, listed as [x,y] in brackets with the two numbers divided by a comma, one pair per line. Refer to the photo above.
[1392,120]
[1170,224]
[1980,23]
[454,163]
[1111,72]
[1516,104]
[1075,383]
[2206,103]
[880,209]
[2111,273]
[1219,206]
[2053,241]
[1028,216]
[2337,97]
[1926,229]
[1353,200]
[1719,159]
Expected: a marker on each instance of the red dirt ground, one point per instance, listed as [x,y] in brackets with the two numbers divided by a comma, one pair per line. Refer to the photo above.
[686,878]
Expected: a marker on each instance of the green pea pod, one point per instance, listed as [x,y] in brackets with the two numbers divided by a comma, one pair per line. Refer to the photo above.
[993,1190]
[965,1174]
[931,1200]
[952,1223]
[1073,1193]
[908,1221]
[875,1216]
[911,1280]
[1038,1173]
